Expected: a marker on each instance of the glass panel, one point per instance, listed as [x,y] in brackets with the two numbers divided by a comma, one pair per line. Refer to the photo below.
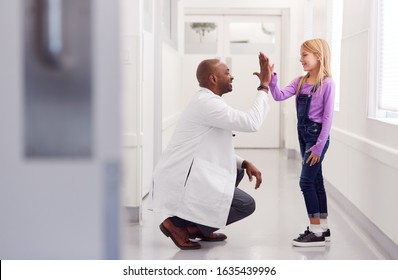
[58,87]
[166,19]
[252,37]
[201,38]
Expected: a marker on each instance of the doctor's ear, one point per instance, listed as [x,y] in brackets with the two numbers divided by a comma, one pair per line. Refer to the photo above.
[213,78]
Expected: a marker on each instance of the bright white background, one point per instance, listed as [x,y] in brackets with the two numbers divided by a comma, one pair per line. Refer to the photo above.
[329,270]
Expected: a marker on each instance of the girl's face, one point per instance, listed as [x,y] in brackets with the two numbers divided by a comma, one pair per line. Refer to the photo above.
[309,61]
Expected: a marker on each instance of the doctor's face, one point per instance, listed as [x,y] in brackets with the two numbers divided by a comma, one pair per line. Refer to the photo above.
[224,78]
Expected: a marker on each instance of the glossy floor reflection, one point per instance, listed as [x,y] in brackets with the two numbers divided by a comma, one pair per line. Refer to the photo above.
[267,234]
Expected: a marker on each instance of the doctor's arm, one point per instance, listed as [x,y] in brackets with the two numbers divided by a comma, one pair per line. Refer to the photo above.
[251,171]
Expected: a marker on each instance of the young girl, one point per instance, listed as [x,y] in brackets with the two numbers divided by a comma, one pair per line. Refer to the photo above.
[314,93]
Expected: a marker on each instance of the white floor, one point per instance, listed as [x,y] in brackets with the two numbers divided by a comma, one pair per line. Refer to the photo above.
[267,234]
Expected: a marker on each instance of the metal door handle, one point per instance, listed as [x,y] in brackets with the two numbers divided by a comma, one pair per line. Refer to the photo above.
[50,31]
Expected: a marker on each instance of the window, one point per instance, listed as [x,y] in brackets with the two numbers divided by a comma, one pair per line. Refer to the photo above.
[250,37]
[201,37]
[169,21]
[387,62]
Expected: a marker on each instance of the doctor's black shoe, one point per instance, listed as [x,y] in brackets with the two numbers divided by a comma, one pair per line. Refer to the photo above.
[194,232]
[309,239]
[179,235]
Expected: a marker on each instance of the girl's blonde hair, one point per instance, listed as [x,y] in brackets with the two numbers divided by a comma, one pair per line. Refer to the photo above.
[320,48]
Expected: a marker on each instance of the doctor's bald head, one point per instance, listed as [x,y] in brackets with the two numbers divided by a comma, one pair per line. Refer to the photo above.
[205,69]
[214,75]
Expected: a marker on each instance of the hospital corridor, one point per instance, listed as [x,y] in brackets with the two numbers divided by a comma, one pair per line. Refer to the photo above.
[267,233]
[113,111]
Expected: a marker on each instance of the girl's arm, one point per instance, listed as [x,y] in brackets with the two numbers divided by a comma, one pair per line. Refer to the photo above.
[286,92]
[328,110]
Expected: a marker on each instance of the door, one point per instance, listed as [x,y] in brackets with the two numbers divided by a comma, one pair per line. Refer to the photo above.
[236,40]
[60,146]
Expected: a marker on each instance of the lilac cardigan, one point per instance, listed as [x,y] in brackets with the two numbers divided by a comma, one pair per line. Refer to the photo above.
[321,108]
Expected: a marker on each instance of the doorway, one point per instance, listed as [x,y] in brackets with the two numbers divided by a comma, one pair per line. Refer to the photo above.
[236,40]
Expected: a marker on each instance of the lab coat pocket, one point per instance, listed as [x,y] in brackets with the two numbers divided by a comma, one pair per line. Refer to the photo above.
[206,183]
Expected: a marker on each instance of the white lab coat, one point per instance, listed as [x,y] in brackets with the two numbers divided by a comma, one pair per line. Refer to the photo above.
[195,176]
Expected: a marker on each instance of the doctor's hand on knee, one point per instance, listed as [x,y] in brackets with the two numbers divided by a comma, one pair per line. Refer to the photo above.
[251,171]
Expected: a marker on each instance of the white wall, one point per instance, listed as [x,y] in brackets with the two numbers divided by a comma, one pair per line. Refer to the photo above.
[362,161]
[142,58]
[171,91]
[151,85]
[320,18]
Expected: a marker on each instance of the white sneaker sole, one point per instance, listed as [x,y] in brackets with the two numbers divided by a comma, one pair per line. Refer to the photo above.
[309,244]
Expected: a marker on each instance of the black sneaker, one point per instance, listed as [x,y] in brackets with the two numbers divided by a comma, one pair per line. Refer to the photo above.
[326,234]
[309,239]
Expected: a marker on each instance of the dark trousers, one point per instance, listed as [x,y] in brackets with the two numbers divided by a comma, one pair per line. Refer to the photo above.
[242,206]
[311,178]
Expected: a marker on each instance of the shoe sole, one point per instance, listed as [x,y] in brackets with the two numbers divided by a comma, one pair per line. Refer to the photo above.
[168,234]
[212,239]
[327,239]
[192,236]
[309,244]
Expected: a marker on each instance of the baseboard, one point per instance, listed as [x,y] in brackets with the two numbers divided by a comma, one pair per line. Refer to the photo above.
[292,154]
[384,244]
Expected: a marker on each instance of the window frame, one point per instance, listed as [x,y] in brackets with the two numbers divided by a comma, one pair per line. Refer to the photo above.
[375,112]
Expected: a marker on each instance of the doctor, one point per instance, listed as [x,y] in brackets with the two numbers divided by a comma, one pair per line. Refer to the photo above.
[195,180]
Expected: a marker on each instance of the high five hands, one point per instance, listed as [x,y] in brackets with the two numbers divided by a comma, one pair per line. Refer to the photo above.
[266,70]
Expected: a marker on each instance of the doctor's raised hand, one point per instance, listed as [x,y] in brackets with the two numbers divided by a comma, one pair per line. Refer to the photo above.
[266,70]
[196,180]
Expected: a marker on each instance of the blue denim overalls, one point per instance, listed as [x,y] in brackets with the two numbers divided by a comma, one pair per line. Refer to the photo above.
[311,179]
